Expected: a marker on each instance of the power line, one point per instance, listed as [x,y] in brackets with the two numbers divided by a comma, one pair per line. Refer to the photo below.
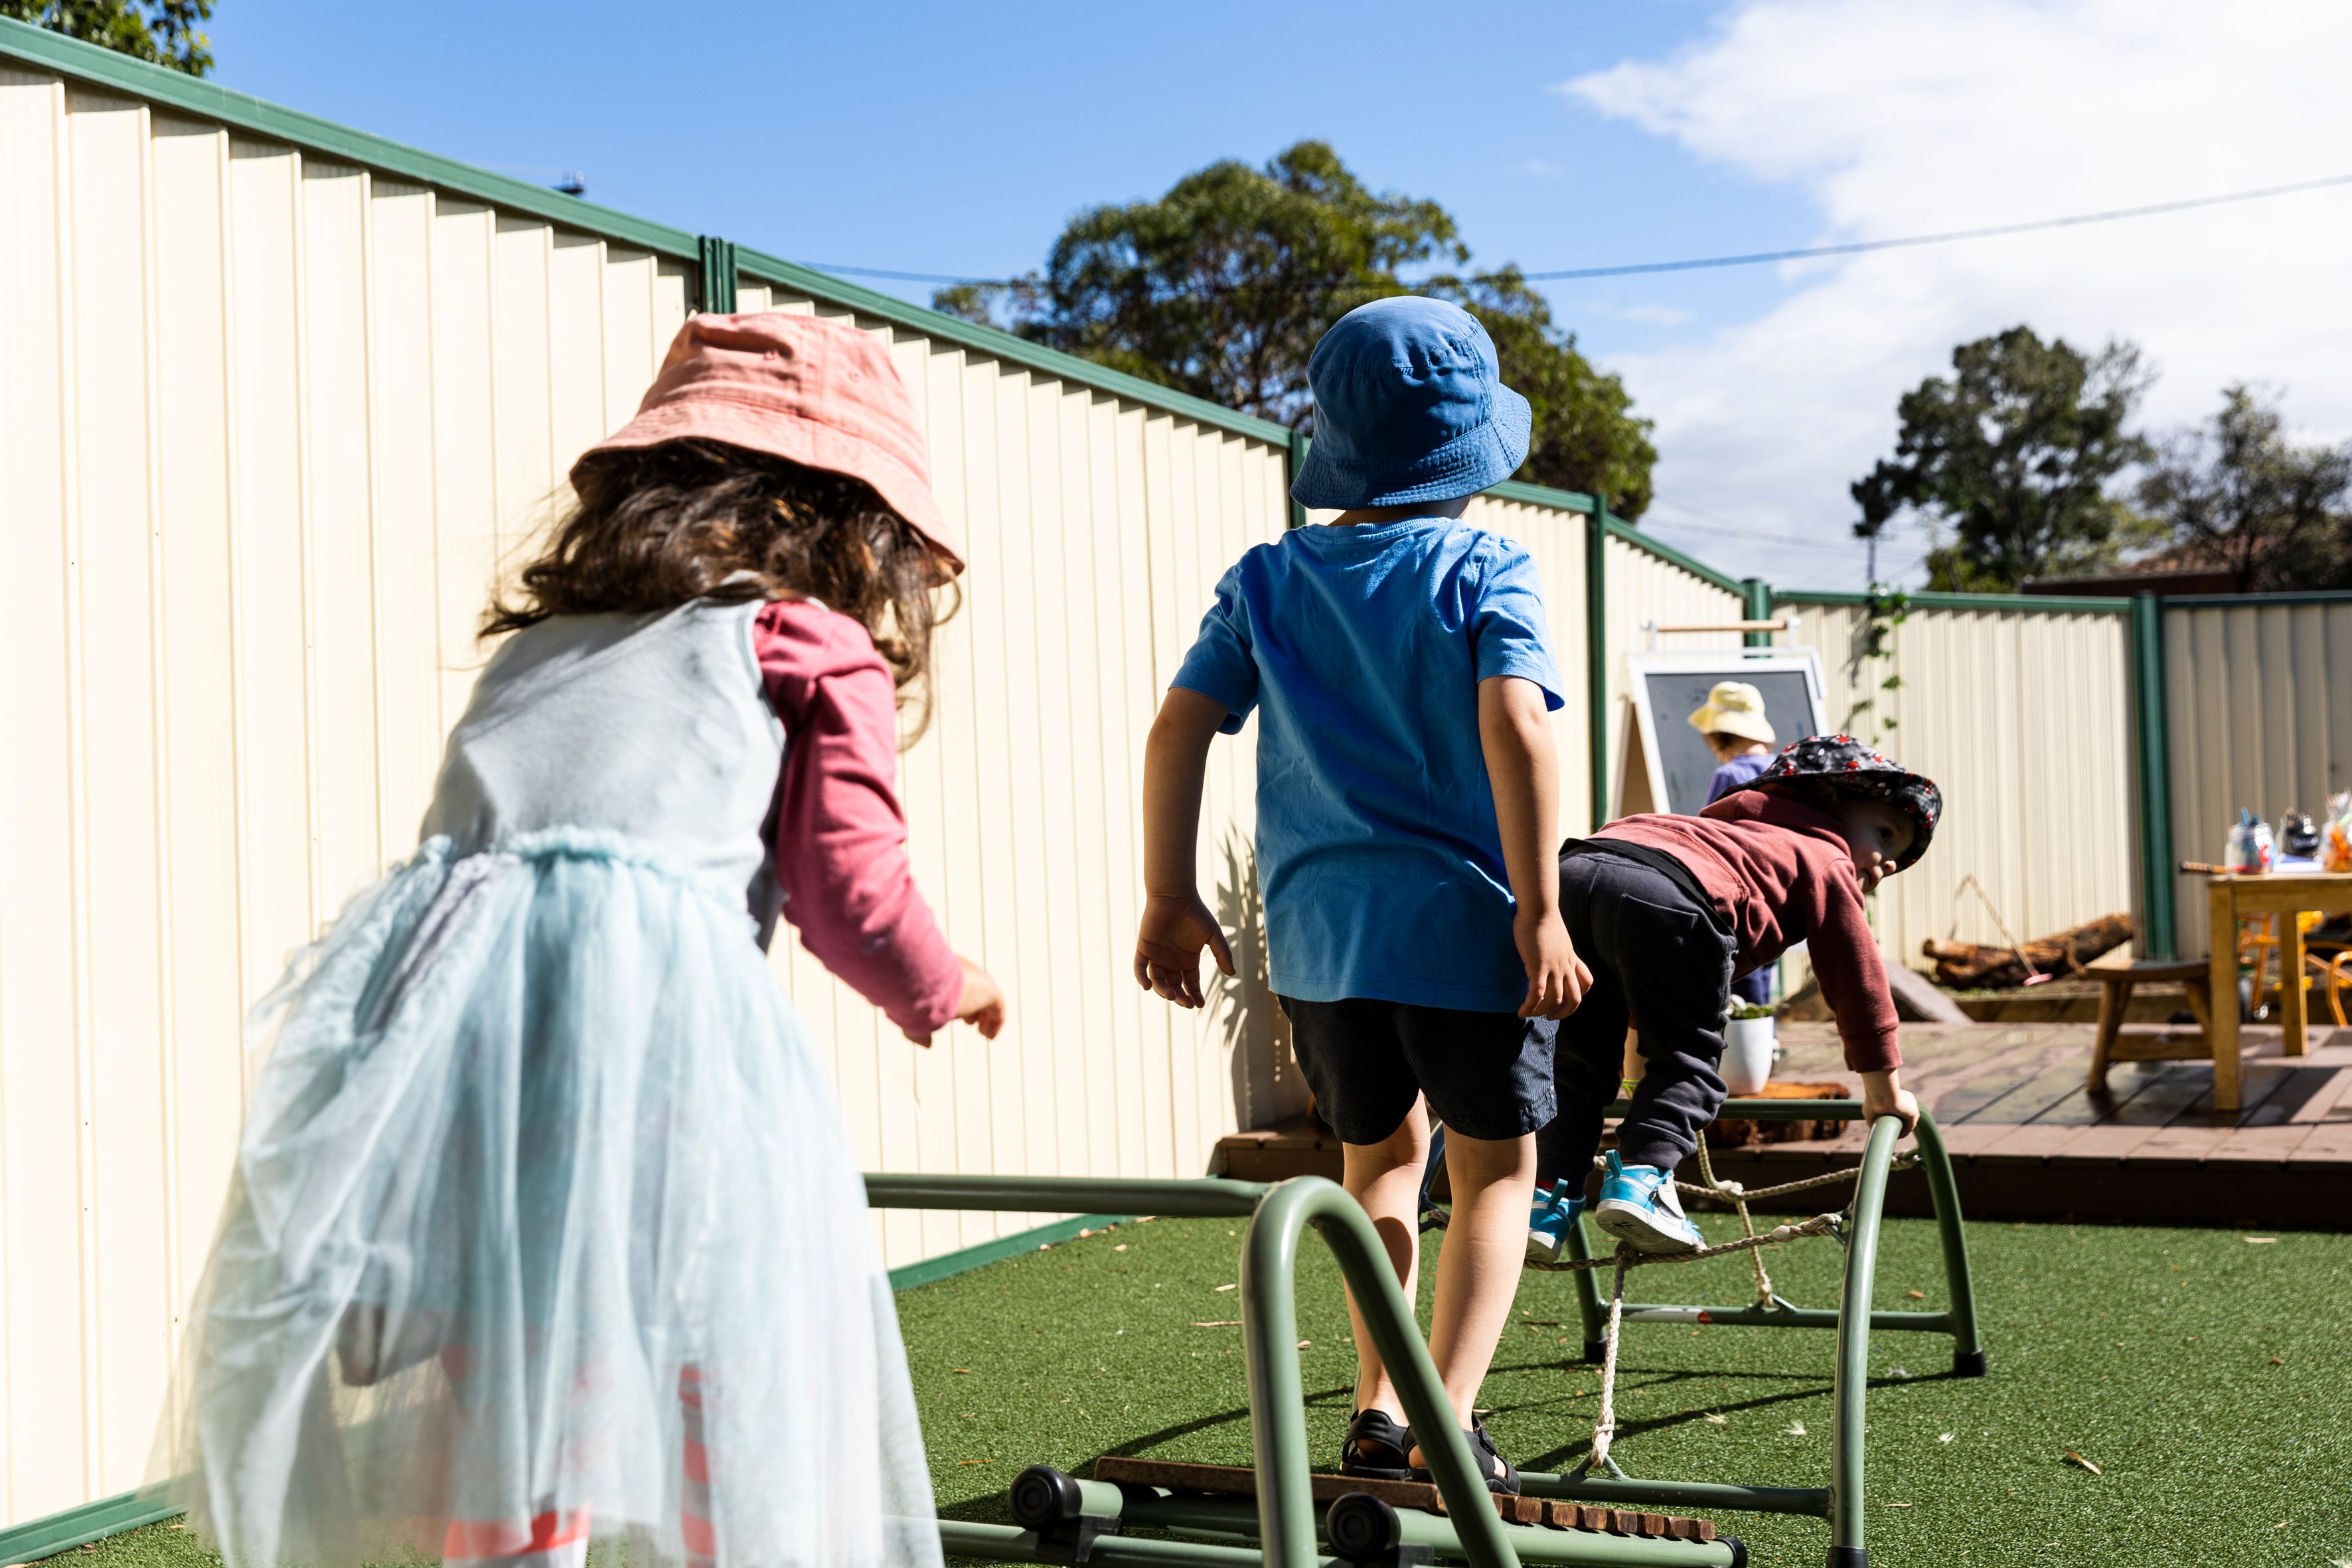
[1757,257]
[902,277]
[1859,247]
[1753,535]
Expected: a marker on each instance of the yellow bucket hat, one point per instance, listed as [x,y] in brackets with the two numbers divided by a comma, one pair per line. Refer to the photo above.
[1734,708]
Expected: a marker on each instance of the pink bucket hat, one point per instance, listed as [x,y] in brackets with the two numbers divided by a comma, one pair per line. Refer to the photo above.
[820,394]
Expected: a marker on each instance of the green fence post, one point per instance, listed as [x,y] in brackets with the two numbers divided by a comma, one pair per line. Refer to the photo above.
[717,274]
[1596,655]
[1759,608]
[2152,756]
[1294,458]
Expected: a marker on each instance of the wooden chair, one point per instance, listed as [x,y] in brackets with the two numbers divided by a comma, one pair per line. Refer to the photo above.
[2329,963]
[2332,971]
[2115,984]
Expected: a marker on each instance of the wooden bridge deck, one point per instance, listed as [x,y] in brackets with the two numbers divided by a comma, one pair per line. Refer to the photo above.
[2031,1142]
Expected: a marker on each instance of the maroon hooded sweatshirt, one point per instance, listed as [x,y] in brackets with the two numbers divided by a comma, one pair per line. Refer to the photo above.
[1781,873]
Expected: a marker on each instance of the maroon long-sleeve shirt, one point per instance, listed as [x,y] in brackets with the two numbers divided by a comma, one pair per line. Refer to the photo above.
[1782,874]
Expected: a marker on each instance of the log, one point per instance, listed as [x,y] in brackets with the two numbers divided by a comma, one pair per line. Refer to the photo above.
[1973,966]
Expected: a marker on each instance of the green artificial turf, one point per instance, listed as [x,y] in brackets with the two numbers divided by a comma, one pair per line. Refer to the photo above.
[2208,1376]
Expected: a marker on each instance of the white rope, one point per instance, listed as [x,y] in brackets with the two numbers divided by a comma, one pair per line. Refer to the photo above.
[1747,1225]
[1604,1430]
[1604,1424]
[1820,1225]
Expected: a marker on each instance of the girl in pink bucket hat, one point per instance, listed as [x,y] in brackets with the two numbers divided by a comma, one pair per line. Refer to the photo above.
[545,1224]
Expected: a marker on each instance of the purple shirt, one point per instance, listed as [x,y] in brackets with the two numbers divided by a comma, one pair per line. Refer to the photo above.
[1735,773]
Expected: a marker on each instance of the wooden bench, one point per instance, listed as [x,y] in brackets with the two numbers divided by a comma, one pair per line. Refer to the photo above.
[2116,983]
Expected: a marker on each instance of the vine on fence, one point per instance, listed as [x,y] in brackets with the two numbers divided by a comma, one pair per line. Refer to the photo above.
[1885,609]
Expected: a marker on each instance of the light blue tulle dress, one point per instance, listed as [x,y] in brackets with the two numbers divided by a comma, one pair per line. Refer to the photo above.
[545,1222]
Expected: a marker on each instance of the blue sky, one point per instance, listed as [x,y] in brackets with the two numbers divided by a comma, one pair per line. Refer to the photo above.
[957,139]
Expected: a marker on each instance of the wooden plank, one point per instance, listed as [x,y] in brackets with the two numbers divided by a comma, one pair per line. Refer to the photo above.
[1940,1077]
[1974,1137]
[2055,1095]
[2033,1140]
[2283,1140]
[2330,1143]
[1241,1480]
[2018,1084]
[2165,1095]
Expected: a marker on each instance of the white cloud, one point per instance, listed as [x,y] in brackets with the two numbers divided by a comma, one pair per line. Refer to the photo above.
[1650,315]
[1898,120]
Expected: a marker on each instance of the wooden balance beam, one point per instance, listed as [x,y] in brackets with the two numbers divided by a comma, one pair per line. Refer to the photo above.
[1240,1481]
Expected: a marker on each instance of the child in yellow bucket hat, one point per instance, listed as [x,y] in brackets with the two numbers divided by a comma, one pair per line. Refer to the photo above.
[1732,719]
[1737,731]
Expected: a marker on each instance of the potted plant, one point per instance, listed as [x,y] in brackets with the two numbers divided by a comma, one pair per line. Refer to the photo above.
[1749,1051]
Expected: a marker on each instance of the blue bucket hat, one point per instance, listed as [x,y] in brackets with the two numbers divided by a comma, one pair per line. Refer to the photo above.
[1410,405]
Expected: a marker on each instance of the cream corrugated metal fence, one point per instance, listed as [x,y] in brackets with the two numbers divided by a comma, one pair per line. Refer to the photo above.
[266,420]
[270,418]
[2021,711]
[2259,715]
[1556,539]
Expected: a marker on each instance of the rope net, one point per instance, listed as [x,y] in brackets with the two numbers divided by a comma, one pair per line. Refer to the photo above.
[1604,1426]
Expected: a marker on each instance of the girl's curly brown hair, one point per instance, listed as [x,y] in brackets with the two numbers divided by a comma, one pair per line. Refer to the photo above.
[658,526]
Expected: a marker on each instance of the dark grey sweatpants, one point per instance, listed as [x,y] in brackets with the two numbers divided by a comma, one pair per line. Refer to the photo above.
[1660,962]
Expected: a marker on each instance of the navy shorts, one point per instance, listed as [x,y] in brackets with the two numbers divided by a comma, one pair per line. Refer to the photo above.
[1486,1075]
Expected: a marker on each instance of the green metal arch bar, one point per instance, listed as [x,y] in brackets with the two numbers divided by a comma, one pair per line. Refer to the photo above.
[1842,1501]
[1958,1319]
[1279,1402]
[1198,1197]
[1852,1381]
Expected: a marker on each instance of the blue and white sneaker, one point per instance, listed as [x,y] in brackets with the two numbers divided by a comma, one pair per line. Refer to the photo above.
[1549,1219]
[1638,1206]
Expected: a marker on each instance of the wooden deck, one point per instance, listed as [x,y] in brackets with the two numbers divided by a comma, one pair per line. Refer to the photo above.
[2029,1142]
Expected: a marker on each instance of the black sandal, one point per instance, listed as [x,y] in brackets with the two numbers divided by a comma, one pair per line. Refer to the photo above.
[1376,1448]
[1496,1469]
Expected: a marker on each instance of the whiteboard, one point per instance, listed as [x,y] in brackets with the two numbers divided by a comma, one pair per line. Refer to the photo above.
[1666,764]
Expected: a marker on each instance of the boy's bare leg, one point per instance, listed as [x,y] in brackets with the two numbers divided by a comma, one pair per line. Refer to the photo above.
[1478,1266]
[1385,1178]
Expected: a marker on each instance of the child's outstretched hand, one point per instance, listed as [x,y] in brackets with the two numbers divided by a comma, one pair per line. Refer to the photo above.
[980,1004]
[1167,947]
[1883,1094]
[1557,978]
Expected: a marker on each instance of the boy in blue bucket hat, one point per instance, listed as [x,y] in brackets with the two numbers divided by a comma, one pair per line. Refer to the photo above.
[1407,794]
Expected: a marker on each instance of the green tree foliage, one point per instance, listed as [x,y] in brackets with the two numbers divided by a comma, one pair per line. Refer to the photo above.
[162,31]
[1587,435]
[2238,496]
[2015,453]
[1221,286]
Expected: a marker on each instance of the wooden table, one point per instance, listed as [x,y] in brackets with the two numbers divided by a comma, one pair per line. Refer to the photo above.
[2228,901]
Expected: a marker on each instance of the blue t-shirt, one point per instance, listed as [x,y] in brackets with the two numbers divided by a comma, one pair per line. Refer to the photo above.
[1735,773]
[1378,854]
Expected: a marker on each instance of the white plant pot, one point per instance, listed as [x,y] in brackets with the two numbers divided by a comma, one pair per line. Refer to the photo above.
[1748,1052]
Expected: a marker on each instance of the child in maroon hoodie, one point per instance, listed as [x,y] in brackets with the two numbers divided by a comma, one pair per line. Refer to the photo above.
[1668,911]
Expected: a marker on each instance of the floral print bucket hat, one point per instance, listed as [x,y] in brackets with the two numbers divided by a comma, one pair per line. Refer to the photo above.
[1847,765]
